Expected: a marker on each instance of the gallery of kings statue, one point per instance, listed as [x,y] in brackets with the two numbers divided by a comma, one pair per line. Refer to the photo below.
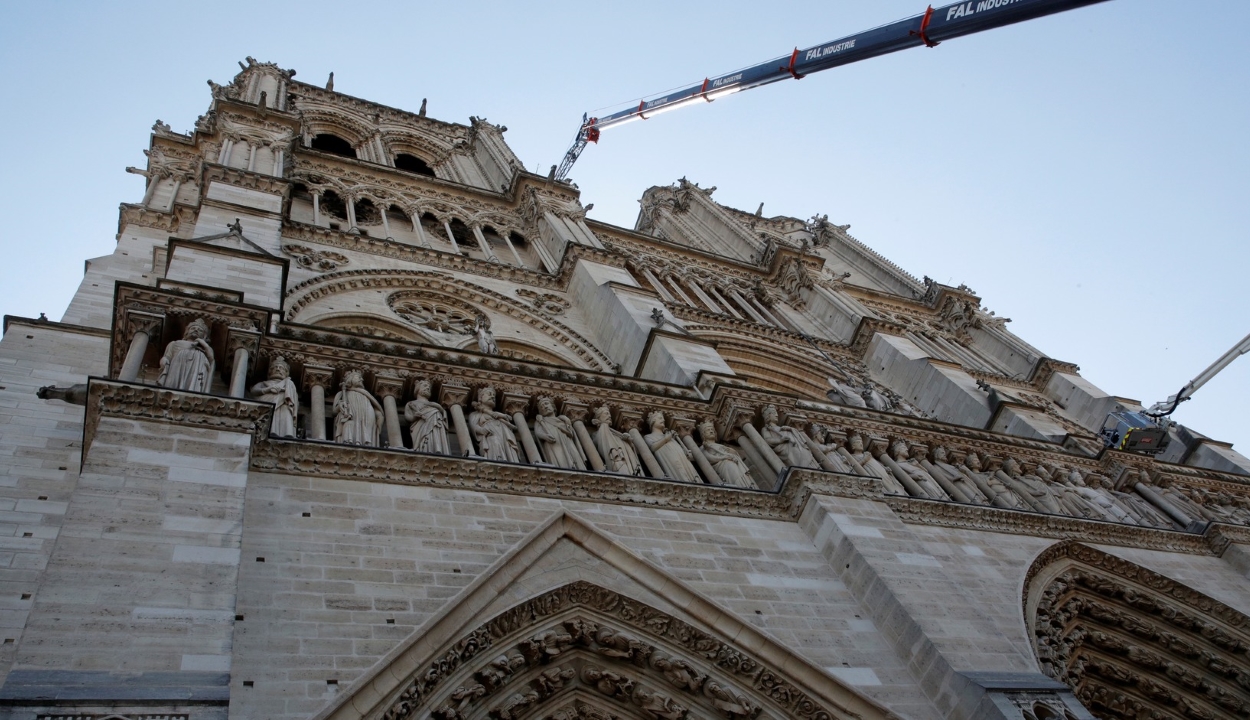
[361,419]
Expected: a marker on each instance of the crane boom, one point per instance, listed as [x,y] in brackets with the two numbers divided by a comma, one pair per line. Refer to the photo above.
[1167,407]
[928,28]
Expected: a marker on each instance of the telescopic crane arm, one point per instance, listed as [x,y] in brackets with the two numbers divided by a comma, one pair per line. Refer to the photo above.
[1167,407]
[928,29]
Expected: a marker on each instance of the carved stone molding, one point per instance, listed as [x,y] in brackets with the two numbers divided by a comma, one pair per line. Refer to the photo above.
[319,260]
[1132,643]
[1033,524]
[108,398]
[618,652]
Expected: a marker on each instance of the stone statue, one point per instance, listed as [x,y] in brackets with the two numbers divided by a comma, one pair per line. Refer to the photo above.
[846,394]
[1037,488]
[731,468]
[820,434]
[942,464]
[556,436]
[873,399]
[874,466]
[495,433]
[485,340]
[1078,500]
[901,454]
[188,363]
[427,421]
[990,486]
[280,390]
[357,414]
[618,453]
[786,441]
[674,458]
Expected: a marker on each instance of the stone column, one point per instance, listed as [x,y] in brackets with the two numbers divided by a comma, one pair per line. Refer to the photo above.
[578,412]
[660,289]
[279,159]
[454,397]
[143,326]
[720,298]
[419,230]
[515,405]
[251,156]
[847,456]
[763,448]
[390,389]
[451,236]
[154,179]
[173,195]
[316,380]
[485,246]
[316,196]
[748,307]
[707,300]
[1154,498]
[223,156]
[242,344]
[628,420]
[351,216]
[821,459]
[386,224]
[899,474]
[511,247]
[684,426]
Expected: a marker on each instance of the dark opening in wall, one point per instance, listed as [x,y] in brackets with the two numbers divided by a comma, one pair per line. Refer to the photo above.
[334,145]
[413,164]
[333,205]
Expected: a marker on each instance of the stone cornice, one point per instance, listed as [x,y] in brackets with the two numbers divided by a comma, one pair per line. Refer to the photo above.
[109,398]
[244,179]
[53,325]
[1019,522]
[170,222]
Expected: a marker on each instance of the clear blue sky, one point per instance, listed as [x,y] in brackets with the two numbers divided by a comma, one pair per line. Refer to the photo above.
[1085,173]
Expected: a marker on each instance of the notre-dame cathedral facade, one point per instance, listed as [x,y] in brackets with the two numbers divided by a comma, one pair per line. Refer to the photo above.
[363,420]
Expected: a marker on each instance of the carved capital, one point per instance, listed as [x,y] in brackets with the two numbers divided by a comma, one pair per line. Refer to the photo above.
[242,338]
[732,418]
[142,321]
[628,418]
[682,424]
[317,375]
[575,409]
[388,386]
[449,394]
[514,403]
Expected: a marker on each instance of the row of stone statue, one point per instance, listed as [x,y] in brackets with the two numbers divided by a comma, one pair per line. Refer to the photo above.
[553,439]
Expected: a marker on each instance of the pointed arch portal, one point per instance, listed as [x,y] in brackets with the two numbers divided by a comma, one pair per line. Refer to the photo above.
[583,651]
[1132,643]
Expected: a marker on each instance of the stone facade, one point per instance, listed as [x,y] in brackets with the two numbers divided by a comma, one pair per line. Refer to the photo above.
[718,465]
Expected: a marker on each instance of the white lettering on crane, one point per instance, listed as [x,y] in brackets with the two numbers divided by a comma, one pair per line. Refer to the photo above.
[726,80]
[817,53]
[975,6]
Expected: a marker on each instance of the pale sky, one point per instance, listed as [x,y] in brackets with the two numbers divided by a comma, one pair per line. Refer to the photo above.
[1085,173]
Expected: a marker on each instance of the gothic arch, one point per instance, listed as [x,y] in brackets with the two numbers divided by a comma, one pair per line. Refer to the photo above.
[576,350]
[770,365]
[1132,643]
[373,326]
[577,649]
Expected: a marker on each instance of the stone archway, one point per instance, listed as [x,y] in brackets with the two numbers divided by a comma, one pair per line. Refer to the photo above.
[585,651]
[1134,644]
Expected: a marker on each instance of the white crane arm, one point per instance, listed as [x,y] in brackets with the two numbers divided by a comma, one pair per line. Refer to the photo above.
[1167,406]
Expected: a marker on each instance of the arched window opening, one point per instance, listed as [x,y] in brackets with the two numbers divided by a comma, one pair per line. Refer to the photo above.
[413,164]
[529,254]
[368,215]
[435,232]
[333,144]
[301,204]
[400,225]
[333,206]
[466,240]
